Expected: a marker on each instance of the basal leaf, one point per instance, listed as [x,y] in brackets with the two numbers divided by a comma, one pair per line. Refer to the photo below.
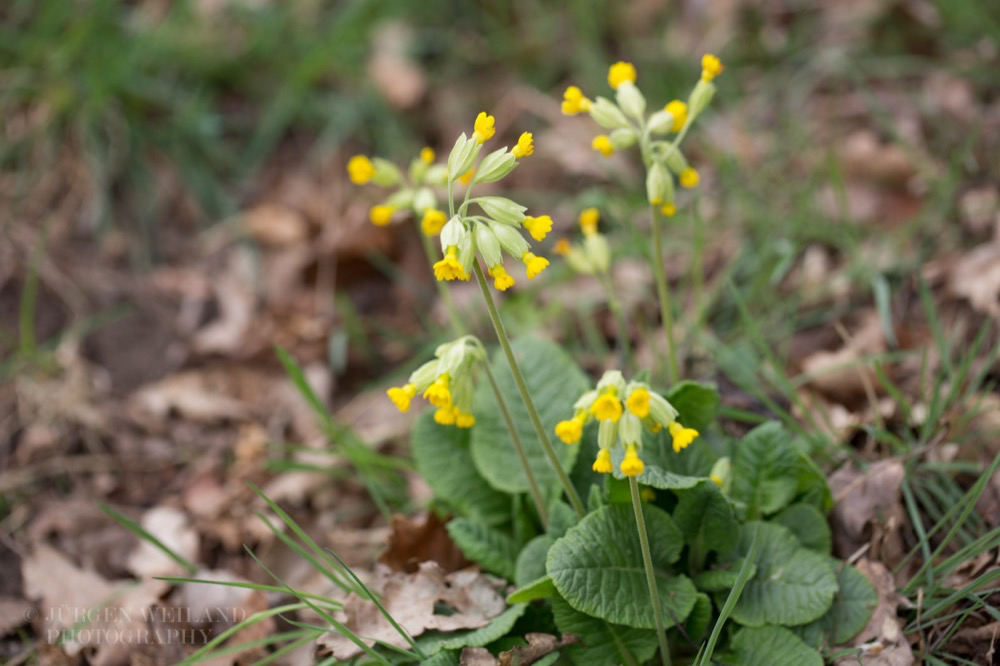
[793,585]
[600,641]
[697,404]
[706,518]
[764,470]
[598,568]
[444,460]
[723,577]
[531,560]
[561,518]
[700,618]
[812,486]
[493,550]
[853,605]
[555,382]
[542,588]
[771,646]
[808,525]
[434,641]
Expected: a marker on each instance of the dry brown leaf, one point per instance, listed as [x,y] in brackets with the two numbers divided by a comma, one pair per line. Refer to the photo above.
[275,225]
[477,656]
[414,601]
[67,593]
[976,278]
[843,374]
[400,80]
[867,498]
[173,528]
[882,641]
[865,158]
[981,641]
[538,646]
[236,301]
[422,538]
[14,613]
[188,393]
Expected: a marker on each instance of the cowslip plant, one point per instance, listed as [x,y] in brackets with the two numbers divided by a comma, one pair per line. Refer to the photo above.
[629,125]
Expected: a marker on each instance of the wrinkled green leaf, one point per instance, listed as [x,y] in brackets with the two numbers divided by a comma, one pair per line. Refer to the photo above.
[853,605]
[700,618]
[555,382]
[493,550]
[542,588]
[444,460]
[808,525]
[706,518]
[793,585]
[764,470]
[723,577]
[771,646]
[597,567]
[601,642]
[696,404]
[434,641]
[531,560]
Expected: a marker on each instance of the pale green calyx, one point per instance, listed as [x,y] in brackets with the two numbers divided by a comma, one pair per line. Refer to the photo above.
[623,138]
[488,245]
[510,239]
[387,174]
[495,166]
[502,209]
[630,100]
[607,114]
[462,156]
[659,185]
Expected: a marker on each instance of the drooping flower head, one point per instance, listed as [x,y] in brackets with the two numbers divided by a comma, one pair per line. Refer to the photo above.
[623,410]
[446,382]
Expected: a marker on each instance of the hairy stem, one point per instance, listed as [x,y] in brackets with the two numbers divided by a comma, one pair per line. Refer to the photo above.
[663,291]
[647,560]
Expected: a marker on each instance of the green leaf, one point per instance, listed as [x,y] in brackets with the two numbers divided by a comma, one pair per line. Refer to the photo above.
[542,588]
[793,585]
[706,518]
[490,548]
[653,475]
[444,658]
[852,608]
[764,470]
[808,525]
[561,518]
[696,404]
[699,619]
[602,642]
[445,462]
[598,568]
[531,560]
[812,486]
[555,382]
[434,641]
[723,578]
[771,646]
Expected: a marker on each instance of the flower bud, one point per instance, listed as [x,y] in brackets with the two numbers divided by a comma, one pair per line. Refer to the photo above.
[495,166]
[453,232]
[502,209]
[630,429]
[612,379]
[659,185]
[606,114]
[462,156]
[387,174]
[700,97]
[630,100]
[722,473]
[622,138]
[675,160]
[488,245]
[661,122]
[423,200]
[510,239]
[607,434]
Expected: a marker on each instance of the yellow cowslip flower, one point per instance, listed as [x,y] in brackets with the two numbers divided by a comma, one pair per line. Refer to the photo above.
[538,227]
[602,144]
[682,436]
[483,128]
[360,169]
[524,146]
[402,395]
[632,465]
[588,220]
[446,415]
[464,419]
[438,393]
[561,247]
[432,222]
[619,73]
[607,408]
[638,402]
[450,268]
[711,67]
[689,178]
[381,215]
[501,280]
[669,209]
[679,110]
[534,264]
[603,463]
[427,155]
[466,177]
[574,102]
[571,431]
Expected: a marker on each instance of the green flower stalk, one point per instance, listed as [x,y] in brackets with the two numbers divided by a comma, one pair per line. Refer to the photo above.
[628,125]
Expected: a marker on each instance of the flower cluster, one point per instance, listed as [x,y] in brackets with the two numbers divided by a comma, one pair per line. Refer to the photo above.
[413,191]
[593,256]
[447,382]
[498,229]
[623,410]
[628,125]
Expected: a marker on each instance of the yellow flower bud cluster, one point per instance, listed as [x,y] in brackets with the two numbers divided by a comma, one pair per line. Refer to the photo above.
[497,229]
[447,382]
[627,123]
[622,410]
[413,191]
